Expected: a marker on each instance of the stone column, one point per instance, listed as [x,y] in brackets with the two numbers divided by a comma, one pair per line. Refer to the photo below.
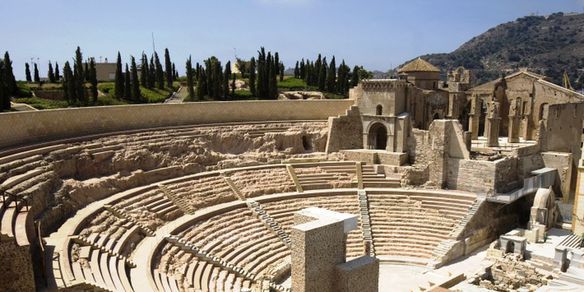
[475,116]
[526,130]
[318,246]
[578,211]
[492,127]
[513,131]
[391,129]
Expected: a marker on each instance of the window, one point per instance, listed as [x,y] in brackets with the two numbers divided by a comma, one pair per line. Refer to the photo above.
[379,110]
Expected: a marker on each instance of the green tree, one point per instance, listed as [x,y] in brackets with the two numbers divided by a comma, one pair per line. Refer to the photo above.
[51,73]
[168,67]
[297,70]
[151,73]
[355,76]
[322,75]
[79,76]
[277,62]
[331,83]
[27,72]
[144,71]
[69,84]
[135,93]
[190,84]
[233,79]
[262,78]
[282,68]
[9,79]
[57,73]
[4,95]
[127,84]
[343,79]
[159,72]
[37,78]
[93,80]
[226,77]
[252,76]
[201,83]
[119,81]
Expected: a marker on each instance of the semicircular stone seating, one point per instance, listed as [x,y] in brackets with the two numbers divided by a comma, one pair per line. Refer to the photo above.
[242,241]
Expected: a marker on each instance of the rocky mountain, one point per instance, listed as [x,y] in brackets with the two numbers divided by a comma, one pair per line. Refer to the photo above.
[547,45]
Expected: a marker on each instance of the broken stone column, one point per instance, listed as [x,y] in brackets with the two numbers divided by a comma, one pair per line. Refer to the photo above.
[492,127]
[475,116]
[318,254]
[514,122]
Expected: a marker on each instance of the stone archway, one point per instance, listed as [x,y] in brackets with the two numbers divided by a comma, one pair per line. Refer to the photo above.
[378,136]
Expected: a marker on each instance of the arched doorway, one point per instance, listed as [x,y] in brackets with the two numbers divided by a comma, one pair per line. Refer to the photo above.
[377,136]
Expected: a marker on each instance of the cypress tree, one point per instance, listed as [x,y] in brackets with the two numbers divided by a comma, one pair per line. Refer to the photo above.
[302,70]
[261,76]
[144,71]
[159,71]
[57,73]
[281,66]
[37,78]
[27,72]
[297,70]
[168,67]
[119,85]
[4,96]
[189,68]
[51,73]
[269,73]
[331,85]
[174,73]
[226,77]
[86,71]
[79,63]
[9,79]
[343,79]
[322,75]
[277,62]
[151,73]
[127,84]
[233,84]
[136,95]
[201,83]
[93,80]
[355,76]
[252,76]
[69,84]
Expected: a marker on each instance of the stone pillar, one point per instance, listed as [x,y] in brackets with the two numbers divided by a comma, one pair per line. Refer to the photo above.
[578,211]
[475,116]
[526,129]
[318,246]
[492,127]
[391,129]
[513,131]
[401,132]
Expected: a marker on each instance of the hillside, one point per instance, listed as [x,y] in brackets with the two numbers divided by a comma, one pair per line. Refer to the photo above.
[545,44]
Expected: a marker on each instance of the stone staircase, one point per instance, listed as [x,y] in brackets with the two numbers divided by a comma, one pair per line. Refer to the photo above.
[373,176]
[210,258]
[446,245]
[455,233]
[268,221]
[366,221]
[173,198]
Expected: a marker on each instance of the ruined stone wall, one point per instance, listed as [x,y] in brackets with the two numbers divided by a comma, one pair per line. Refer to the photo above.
[65,123]
[482,176]
[16,274]
[561,131]
[419,149]
[345,132]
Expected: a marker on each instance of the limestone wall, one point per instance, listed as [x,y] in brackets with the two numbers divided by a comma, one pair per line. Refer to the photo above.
[32,127]
[18,275]
[481,176]
[345,132]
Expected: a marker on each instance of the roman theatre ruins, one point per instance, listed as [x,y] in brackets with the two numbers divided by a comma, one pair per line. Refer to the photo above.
[287,195]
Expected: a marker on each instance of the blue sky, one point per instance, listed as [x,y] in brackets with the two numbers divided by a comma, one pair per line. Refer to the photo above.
[374,33]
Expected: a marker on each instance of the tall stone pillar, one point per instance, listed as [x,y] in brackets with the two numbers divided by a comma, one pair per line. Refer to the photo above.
[475,116]
[526,127]
[513,131]
[578,211]
[318,246]
[492,127]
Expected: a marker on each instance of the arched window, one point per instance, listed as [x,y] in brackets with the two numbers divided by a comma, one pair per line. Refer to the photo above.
[379,110]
